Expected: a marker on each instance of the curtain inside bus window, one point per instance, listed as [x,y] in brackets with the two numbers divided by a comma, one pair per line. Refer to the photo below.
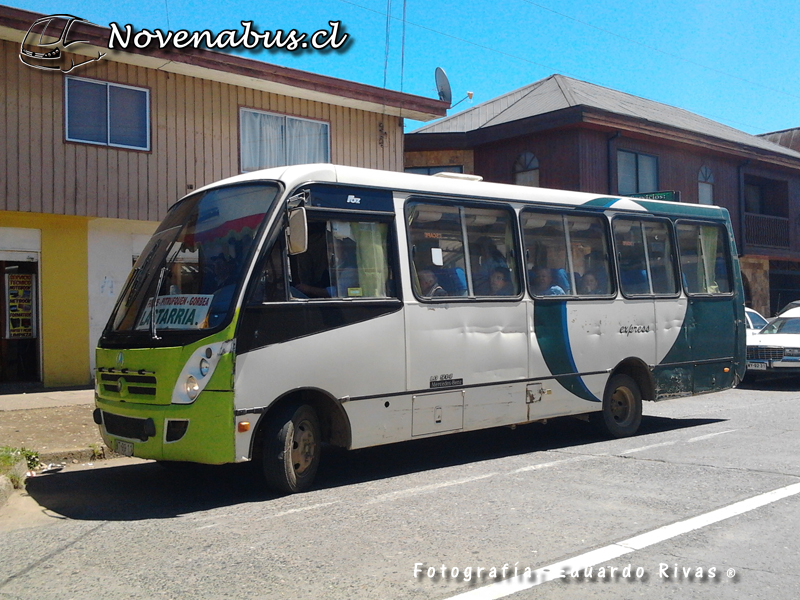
[372,260]
[704,258]
[708,243]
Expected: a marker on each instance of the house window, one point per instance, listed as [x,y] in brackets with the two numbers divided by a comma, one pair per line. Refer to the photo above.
[705,186]
[434,170]
[109,114]
[636,173]
[766,196]
[272,140]
[526,170]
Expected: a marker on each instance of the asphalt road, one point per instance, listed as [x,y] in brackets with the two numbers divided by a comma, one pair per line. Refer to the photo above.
[703,503]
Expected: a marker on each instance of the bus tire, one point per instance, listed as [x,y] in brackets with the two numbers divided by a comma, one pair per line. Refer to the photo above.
[291,450]
[622,407]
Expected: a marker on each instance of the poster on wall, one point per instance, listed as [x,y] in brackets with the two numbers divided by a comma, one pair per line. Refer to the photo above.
[20,306]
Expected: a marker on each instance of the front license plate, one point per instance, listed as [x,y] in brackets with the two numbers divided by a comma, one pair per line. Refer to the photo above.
[124,448]
[757,366]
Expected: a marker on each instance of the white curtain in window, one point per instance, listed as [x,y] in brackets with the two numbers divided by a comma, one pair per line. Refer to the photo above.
[263,140]
[307,141]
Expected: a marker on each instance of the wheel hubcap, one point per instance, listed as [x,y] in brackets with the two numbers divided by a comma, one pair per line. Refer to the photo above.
[303,447]
[622,403]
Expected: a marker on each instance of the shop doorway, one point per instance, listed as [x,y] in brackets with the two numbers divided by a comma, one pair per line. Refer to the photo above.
[19,322]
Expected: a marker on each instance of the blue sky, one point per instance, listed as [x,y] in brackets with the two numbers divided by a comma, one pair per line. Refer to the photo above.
[736,62]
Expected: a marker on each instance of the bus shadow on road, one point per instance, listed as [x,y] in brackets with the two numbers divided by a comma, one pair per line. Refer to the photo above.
[340,467]
[148,490]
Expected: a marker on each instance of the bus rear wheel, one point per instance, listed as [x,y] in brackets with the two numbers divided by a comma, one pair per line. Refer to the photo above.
[622,407]
[291,450]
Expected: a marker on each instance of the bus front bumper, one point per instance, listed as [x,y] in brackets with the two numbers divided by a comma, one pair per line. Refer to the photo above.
[201,432]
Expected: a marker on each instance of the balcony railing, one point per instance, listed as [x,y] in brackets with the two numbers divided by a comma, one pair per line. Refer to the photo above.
[765,230]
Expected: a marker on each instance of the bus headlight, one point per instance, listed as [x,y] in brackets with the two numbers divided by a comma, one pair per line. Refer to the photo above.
[198,370]
[192,387]
[205,367]
[791,351]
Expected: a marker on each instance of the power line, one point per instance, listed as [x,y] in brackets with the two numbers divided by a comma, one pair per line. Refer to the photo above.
[388,30]
[556,69]
[458,39]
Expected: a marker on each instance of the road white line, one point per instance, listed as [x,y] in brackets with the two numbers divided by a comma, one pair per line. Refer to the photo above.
[643,448]
[297,510]
[556,463]
[710,435]
[426,488]
[507,587]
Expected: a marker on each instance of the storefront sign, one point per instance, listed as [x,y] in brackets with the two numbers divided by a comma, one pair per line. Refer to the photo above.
[20,306]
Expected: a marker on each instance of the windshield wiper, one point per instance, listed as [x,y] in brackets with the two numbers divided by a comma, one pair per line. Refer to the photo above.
[153,332]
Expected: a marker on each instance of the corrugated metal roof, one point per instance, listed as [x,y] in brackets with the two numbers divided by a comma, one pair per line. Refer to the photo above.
[558,92]
[788,137]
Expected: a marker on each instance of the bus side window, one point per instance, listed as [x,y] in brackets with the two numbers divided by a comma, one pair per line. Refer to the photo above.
[437,251]
[646,257]
[546,254]
[344,259]
[491,241]
[590,257]
[704,253]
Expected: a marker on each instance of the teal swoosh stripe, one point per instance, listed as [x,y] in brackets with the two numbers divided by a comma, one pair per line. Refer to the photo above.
[601,202]
[550,326]
[678,209]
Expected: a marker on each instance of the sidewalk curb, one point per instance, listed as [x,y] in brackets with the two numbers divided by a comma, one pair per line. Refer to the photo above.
[77,455]
[65,457]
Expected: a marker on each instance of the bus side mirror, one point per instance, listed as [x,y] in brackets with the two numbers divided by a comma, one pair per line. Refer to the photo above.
[297,232]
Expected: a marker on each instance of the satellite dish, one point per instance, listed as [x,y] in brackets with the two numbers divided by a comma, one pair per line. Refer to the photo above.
[443,86]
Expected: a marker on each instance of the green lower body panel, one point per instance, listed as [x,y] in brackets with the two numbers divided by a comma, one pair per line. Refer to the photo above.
[201,432]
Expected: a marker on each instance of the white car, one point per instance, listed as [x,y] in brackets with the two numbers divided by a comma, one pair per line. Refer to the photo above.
[755,322]
[776,348]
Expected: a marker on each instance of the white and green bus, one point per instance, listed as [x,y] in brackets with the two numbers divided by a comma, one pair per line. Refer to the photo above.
[280,310]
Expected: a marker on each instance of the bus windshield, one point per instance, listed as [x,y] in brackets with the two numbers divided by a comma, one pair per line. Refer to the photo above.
[187,275]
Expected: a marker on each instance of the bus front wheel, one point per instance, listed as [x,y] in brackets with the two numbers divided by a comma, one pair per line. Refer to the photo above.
[622,407]
[291,449]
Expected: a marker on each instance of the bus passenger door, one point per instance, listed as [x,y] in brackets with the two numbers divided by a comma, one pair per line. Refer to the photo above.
[466,321]
[712,329]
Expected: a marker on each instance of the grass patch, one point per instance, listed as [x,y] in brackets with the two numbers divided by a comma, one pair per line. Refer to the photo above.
[10,456]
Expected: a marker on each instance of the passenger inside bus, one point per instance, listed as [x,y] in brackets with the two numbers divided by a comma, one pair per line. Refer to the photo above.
[429,285]
[485,259]
[500,282]
[589,286]
[543,285]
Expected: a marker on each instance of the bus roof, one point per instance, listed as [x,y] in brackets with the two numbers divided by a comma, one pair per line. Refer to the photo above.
[298,175]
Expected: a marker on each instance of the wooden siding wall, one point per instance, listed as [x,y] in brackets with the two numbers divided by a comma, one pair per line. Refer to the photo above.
[194,140]
[558,154]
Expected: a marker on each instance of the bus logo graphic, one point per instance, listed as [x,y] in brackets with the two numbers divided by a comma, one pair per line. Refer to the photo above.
[47,42]
[120,359]
[353,199]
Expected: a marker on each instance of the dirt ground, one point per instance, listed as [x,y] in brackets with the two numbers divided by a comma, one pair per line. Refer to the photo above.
[51,431]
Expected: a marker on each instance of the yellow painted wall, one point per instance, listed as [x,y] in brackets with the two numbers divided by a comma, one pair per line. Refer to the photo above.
[63,289]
